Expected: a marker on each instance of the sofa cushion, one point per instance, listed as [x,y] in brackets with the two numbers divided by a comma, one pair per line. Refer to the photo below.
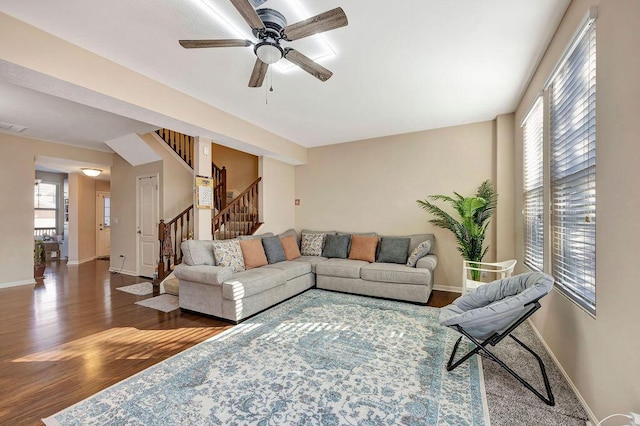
[253,253]
[311,260]
[393,250]
[197,252]
[419,252]
[255,237]
[393,273]
[363,248]
[254,281]
[336,246]
[203,273]
[228,253]
[290,247]
[340,268]
[311,244]
[292,269]
[273,249]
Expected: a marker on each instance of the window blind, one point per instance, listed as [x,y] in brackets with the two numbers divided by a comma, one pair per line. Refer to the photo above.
[533,207]
[572,103]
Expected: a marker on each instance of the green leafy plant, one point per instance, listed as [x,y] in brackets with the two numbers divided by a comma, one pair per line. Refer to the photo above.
[471,228]
[38,253]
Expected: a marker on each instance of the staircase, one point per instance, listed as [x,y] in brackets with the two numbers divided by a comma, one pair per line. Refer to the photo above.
[232,217]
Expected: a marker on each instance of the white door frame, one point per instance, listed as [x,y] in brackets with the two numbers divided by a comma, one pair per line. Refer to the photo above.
[138,224]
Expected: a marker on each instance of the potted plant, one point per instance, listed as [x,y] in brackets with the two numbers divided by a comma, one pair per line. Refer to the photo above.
[474,213]
[39,264]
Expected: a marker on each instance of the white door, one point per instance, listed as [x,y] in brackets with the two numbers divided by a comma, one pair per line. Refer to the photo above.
[103,224]
[147,225]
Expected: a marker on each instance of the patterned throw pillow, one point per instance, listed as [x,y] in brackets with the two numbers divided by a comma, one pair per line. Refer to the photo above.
[419,252]
[228,253]
[312,244]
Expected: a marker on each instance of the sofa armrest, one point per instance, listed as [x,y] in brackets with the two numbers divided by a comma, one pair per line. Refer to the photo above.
[429,262]
[204,274]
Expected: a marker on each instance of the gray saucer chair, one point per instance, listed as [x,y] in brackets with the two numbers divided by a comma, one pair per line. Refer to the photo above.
[491,313]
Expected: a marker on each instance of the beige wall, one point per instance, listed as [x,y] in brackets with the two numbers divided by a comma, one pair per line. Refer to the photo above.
[17,174]
[82,219]
[103,185]
[373,185]
[600,355]
[176,179]
[123,212]
[242,168]
[277,193]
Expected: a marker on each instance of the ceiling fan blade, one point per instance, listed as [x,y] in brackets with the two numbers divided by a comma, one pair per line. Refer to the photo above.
[313,68]
[330,20]
[249,14]
[258,73]
[194,44]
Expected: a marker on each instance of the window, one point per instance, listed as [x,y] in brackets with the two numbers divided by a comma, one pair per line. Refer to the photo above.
[107,212]
[533,207]
[45,196]
[572,144]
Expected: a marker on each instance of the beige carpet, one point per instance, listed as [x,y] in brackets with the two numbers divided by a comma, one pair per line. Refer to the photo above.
[511,404]
[164,303]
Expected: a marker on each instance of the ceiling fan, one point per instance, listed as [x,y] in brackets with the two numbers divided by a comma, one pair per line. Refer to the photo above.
[270,28]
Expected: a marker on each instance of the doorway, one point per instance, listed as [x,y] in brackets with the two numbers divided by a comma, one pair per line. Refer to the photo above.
[147,224]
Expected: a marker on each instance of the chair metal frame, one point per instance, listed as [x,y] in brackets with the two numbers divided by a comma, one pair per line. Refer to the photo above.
[494,339]
[501,269]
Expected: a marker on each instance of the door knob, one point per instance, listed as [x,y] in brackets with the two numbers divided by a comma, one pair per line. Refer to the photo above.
[139,232]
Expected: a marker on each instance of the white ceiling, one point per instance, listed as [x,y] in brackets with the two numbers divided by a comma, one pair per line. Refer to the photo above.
[399,66]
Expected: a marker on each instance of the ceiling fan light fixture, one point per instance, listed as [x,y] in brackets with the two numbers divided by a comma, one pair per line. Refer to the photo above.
[269,52]
[88,171]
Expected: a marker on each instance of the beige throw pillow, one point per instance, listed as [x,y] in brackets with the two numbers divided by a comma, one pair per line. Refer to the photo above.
[253,253]
[290,246]
[363,248]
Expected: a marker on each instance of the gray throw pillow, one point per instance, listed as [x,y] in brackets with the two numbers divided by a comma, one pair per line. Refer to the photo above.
[273,249]
[336,246]
[393,250]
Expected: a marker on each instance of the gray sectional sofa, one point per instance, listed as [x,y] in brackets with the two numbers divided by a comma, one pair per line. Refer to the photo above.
[211,289]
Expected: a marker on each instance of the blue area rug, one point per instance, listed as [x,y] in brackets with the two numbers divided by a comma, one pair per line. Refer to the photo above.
[321,358]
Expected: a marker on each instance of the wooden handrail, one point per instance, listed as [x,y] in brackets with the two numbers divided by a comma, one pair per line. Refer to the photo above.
[178,229]
[240,217]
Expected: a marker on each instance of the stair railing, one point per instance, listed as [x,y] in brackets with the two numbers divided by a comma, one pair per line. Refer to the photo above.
[171,234]
[220,187]
[182,144]
[240,217]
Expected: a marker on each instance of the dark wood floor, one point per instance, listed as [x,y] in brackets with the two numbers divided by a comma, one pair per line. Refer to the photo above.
[74,334]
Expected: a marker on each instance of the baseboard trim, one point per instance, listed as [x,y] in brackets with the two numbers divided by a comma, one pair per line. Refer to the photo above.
[80,262]
[447,288]
[592,417]
[17,283]
[123,271]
